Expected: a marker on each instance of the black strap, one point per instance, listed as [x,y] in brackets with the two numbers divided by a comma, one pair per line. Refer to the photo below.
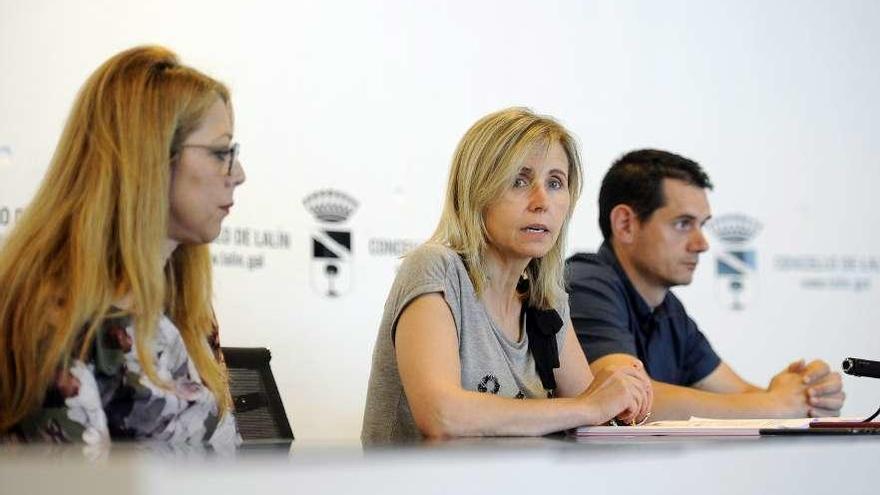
[542,325]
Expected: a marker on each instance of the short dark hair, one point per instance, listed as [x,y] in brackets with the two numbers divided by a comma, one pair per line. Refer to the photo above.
[636,180]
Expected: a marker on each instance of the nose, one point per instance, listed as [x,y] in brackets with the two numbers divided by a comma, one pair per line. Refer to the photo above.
[699,243]
[238,176]
[538,198]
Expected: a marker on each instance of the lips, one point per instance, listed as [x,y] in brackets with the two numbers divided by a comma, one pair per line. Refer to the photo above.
[536,228]
[227,207]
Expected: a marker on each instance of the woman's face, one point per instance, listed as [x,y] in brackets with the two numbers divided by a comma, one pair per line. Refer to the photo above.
[201,186]
[525,221]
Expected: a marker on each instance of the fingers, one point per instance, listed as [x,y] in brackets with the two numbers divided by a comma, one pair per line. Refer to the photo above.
[831,402]
[648,390]
[648,403]
[636,402]
[628,388]
[641,393]
[829,384]
[815,370]
[796,367]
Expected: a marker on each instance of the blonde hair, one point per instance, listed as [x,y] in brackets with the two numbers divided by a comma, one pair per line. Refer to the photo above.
[95,231]
[485,163]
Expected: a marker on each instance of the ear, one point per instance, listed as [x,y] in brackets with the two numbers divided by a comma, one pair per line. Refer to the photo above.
[624,223]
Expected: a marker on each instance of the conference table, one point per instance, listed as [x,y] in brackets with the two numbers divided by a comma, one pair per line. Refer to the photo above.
[539,466]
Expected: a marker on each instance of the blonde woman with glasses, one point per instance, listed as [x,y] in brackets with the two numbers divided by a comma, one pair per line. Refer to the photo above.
[106,325]
[476,338]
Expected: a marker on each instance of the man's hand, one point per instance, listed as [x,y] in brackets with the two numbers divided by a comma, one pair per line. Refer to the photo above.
[824,388]
[819,393]
[789,390]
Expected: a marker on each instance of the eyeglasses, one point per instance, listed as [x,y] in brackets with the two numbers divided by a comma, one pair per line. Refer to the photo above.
[222,154]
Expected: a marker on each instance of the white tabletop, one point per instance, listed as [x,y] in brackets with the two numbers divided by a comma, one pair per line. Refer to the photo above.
[535,466]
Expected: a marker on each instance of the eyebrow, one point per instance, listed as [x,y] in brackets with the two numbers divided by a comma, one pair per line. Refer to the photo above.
[530,172]
[688,216]
[226,135]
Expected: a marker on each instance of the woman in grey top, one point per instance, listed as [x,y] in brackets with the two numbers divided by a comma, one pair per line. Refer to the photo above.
[477,318]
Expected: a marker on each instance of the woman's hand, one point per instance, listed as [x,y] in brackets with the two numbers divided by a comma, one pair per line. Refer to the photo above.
[621,392]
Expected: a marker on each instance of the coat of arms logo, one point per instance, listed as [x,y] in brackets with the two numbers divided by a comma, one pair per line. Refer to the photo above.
[331,243]
[736,261]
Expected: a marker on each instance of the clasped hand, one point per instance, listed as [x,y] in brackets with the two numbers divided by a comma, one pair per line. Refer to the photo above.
[809,389]
[622,392]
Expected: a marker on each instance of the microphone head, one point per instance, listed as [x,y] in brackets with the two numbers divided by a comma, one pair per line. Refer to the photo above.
[861,367]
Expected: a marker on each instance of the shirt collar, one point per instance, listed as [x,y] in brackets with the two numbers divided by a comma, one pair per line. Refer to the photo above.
[643,310]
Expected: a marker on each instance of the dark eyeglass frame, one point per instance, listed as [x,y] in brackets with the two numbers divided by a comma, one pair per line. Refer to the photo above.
[232,151]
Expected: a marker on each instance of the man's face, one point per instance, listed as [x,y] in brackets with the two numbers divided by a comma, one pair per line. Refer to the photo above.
[667,245]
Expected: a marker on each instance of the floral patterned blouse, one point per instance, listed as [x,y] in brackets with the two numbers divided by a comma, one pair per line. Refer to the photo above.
[109,395]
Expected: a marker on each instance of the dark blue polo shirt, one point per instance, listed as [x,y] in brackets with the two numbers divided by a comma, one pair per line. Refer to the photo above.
[610,317]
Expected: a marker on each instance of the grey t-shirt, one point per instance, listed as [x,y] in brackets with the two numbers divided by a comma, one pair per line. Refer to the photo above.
[490,362]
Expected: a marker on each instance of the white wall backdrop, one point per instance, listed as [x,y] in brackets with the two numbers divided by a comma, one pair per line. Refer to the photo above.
[778,100]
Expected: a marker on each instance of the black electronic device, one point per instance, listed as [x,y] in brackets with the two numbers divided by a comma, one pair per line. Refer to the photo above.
[861,367]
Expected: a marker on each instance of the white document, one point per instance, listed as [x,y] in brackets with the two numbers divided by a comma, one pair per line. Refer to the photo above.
[693,427]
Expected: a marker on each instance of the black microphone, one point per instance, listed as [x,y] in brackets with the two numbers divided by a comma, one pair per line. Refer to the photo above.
[861,367]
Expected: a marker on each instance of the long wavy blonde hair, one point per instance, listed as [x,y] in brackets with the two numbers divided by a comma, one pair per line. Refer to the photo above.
[485,164]
[95,230]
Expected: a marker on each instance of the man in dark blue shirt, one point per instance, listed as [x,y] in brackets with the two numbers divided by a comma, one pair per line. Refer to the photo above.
[652,208]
